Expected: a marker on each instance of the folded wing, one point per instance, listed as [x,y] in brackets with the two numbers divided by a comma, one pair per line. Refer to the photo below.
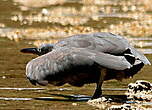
[64,59]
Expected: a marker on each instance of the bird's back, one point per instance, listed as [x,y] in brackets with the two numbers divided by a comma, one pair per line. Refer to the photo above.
[101,42]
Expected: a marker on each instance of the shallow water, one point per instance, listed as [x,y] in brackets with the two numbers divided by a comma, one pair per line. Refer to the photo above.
[27,24]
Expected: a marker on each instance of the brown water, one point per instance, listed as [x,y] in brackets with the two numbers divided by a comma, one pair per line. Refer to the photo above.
[26,23]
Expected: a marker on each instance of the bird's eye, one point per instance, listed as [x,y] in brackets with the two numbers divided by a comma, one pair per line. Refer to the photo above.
[39,50]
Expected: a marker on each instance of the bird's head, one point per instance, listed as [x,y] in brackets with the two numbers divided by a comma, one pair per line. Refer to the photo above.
[43,49]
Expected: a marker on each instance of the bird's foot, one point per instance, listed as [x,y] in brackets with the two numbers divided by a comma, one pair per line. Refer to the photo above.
[96,95]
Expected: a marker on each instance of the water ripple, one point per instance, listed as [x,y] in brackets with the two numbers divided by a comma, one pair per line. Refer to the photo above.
[11,98]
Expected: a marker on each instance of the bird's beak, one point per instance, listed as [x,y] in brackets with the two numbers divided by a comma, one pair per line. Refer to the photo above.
[29,50]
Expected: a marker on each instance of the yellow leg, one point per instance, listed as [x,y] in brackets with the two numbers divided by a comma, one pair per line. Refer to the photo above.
[98,90]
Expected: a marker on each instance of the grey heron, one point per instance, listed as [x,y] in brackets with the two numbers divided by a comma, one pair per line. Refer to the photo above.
[84,58]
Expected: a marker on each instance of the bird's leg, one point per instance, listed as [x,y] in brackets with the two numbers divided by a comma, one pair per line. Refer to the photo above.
[98,91]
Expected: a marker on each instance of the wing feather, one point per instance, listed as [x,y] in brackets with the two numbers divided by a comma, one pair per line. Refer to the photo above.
[65,58]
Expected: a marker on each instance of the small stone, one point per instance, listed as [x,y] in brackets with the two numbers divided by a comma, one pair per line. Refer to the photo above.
[140,90]
[74,104]
[3,77]
[44,11]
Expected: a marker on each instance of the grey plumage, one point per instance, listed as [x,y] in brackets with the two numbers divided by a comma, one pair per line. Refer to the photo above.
[80,59]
